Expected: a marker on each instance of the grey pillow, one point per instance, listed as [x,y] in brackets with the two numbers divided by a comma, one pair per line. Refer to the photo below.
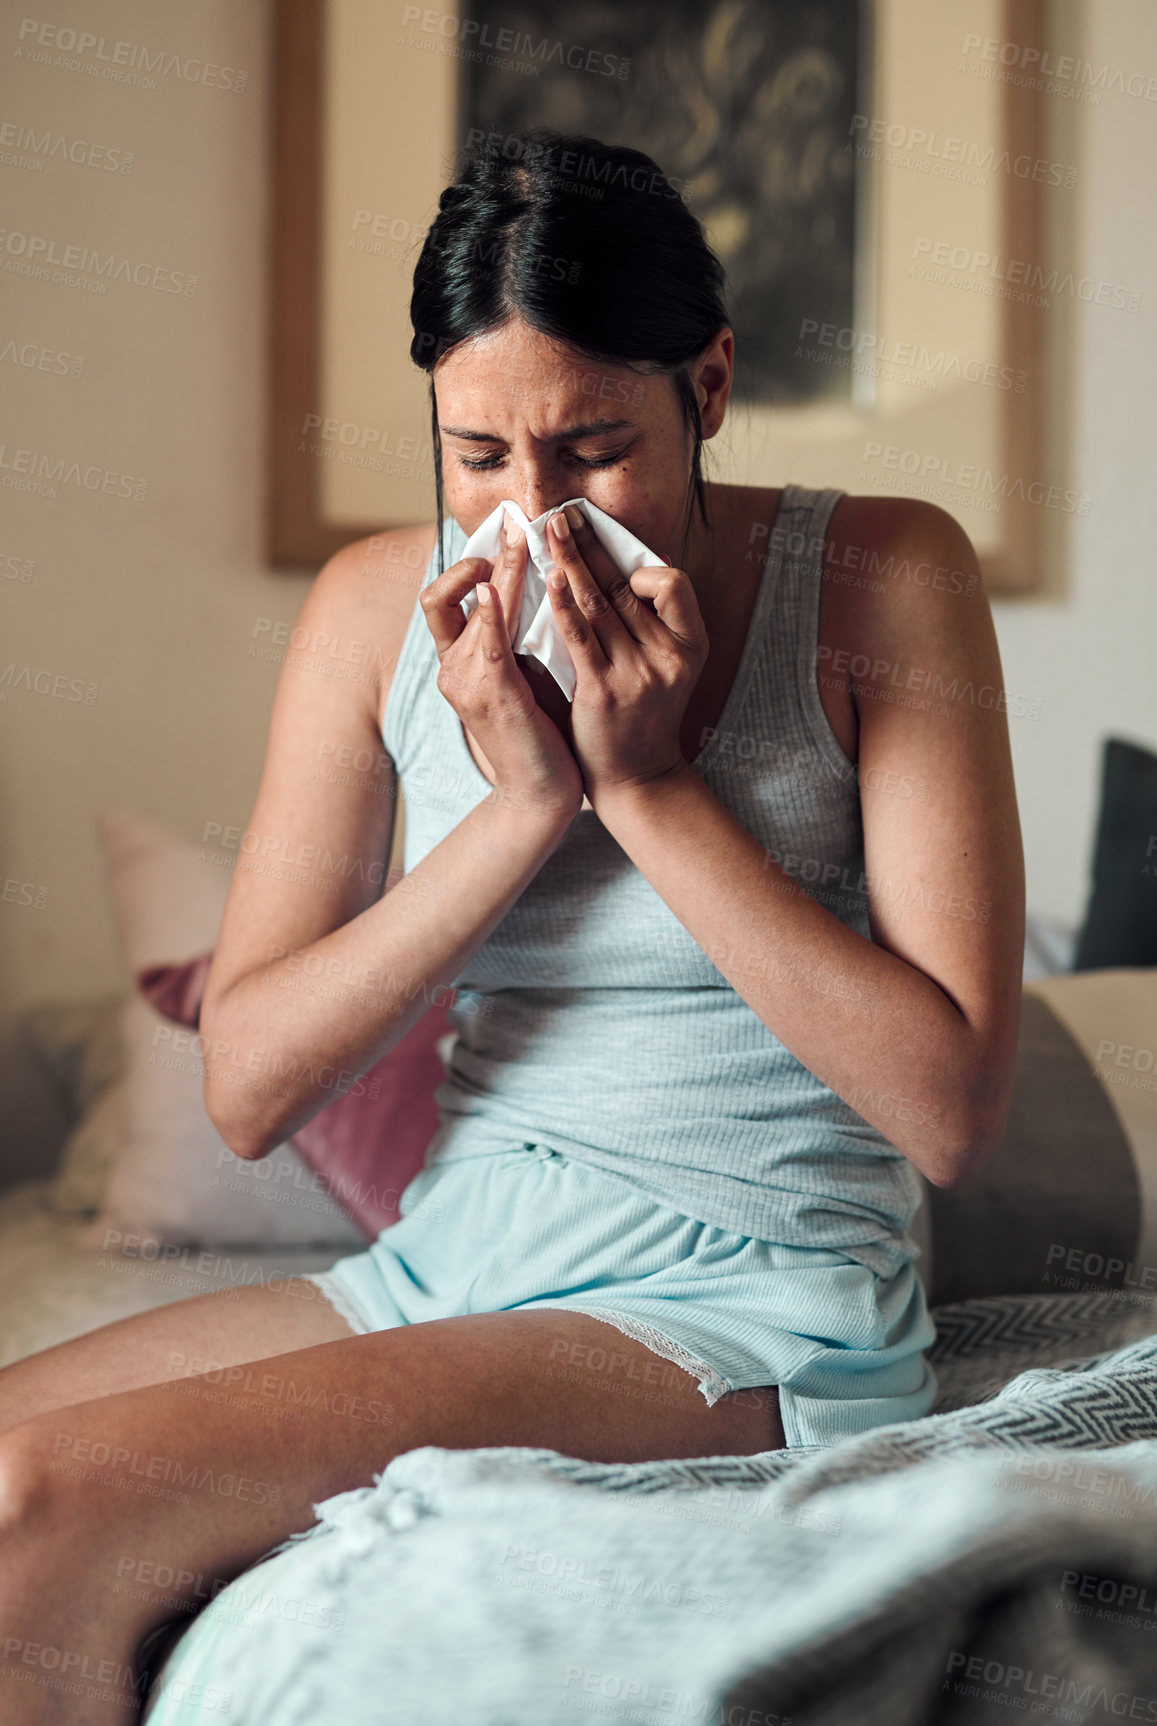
[1120,926]
[1069,1200]
[79,1044]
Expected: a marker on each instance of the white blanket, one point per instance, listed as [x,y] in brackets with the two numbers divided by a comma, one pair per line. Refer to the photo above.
[932,1565]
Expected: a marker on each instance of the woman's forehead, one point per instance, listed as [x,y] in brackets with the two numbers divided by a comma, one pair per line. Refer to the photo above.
[515,352]
[535,379]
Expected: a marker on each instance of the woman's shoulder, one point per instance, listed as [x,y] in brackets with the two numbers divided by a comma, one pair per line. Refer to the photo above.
[385,569]
[876,520]
[367,591]
[885,555]
[900,585]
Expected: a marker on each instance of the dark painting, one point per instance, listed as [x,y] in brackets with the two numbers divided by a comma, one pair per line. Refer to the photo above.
[746,105]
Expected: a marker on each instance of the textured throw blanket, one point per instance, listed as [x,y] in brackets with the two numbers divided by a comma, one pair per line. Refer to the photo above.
[998,1557]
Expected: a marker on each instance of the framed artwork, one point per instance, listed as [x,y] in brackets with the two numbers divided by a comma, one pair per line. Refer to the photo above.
[747,108]
[891,214]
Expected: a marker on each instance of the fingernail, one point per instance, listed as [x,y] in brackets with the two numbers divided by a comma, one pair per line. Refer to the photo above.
[574,515]
[560,524]
[510,528]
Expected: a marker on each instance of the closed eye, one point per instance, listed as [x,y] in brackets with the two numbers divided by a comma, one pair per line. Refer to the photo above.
[493,461]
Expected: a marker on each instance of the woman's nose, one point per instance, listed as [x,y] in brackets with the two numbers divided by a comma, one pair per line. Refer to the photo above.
[535,494]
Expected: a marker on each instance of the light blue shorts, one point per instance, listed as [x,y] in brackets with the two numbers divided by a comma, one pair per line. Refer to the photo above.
[529,1227]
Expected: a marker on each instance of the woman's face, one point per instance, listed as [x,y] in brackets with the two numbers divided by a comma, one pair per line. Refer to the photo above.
[520,416]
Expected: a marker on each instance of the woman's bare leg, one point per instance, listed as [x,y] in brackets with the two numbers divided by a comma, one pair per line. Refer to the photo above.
[240,1471]
[232,1325]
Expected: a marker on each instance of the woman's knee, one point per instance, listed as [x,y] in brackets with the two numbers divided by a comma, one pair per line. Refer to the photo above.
[28,1477]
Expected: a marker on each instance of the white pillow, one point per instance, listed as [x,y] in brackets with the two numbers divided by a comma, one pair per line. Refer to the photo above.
[172,1178]
[1050,945]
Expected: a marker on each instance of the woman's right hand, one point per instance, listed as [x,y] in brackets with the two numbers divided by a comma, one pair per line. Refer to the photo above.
[534,765]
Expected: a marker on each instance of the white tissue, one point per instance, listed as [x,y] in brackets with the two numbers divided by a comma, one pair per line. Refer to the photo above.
[537,635]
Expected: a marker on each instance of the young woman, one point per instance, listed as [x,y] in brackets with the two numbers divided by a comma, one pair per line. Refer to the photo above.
[736,937]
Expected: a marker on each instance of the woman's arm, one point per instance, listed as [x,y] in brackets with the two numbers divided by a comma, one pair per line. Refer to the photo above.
[916,1029]
[316,975]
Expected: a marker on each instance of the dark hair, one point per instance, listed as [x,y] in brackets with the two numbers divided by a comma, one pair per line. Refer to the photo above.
[639,288]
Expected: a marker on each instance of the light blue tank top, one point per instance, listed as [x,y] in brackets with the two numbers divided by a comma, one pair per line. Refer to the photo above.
[592,1022]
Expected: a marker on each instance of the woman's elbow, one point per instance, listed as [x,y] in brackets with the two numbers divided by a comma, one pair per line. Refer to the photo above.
[231,1104]
[247,1139]
[970,1150]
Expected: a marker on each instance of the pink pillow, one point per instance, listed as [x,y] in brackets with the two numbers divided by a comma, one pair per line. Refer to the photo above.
[368,1144]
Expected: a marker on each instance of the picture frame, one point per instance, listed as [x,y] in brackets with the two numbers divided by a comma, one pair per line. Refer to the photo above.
[339,352]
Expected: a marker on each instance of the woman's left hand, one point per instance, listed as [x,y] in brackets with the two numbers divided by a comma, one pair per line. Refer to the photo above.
[636,663]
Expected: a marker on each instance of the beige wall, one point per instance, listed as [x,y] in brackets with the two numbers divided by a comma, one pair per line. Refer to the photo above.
[389,147]
[156,602]
[1091,657]
[388,153]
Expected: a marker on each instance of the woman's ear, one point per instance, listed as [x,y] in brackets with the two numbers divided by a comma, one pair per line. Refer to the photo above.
[711,376]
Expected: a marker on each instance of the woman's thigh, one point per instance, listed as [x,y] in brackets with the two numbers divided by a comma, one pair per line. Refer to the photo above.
[186,1337]
[203,1477]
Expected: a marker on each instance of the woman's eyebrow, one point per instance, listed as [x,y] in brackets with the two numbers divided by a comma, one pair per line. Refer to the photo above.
[592,428]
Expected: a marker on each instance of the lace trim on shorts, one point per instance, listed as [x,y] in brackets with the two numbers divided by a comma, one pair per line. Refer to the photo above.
[711,1384]
[341,1300]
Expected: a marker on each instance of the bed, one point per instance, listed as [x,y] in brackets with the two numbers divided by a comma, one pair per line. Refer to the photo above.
[1001,1552]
